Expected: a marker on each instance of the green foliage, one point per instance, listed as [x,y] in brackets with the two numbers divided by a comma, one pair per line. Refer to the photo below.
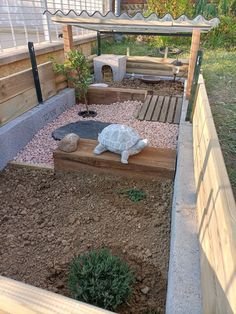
[174,7]
[222,36]
[101,279]
[216,7]
[76,70]
[134,195]
[136,48]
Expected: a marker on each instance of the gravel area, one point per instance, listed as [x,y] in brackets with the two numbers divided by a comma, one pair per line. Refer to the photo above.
[39,150]
[47,219]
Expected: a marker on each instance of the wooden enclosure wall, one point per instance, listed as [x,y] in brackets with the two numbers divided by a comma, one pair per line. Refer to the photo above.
[155,66]
[216,213]
[17,91]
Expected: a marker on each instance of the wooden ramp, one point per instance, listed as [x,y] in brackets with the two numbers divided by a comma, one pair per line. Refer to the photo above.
[166,109]
[151,162]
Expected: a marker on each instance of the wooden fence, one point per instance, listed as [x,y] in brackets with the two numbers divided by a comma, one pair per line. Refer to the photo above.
[216,213]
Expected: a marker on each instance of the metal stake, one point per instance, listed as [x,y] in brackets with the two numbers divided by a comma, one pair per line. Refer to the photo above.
[98,43]
[35,72]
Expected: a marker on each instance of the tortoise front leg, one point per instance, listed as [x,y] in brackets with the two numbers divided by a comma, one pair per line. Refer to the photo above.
[124,157]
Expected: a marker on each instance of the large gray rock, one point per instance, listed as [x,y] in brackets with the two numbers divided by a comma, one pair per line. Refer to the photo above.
[69,143]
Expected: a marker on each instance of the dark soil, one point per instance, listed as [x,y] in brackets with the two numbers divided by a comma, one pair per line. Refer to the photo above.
[46,220]
[162,88]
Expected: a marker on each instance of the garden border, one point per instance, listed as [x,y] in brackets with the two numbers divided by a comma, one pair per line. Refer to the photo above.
[17,133]
[184,286]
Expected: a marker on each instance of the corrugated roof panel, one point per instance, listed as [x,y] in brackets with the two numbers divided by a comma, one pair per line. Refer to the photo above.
[133,24]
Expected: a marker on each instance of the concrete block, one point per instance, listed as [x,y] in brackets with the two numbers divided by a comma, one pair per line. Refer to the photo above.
[116,62]
[17,133]
[184,288]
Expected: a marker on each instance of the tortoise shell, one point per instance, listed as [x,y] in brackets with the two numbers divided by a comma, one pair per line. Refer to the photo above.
[118,137]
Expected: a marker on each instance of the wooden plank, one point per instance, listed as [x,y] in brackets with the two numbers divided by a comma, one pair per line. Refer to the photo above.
[164,109]
[14,107]
[158,107]
[18,297]
[152,72]
[146,59]
[15,84]
[178,110]
[151,108]
[18,83]
[156,66]
[151,162]
[216,212]
[171,111]
[144,108]
[61,86]
[109,95]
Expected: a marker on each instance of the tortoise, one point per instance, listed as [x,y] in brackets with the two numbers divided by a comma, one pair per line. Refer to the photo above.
[120,139]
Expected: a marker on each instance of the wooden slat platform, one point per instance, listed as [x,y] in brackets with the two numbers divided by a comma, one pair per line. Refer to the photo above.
[166,109]
[151,162]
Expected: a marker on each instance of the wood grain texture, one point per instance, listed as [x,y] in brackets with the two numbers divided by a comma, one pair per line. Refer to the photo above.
[18,91]
[109,95]
[163,109]
[150,163]
[216,211]
[67,38]
[192,60]
[157,110]
[19,298]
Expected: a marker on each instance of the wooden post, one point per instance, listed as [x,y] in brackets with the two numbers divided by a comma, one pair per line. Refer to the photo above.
[193,91]
[68,38]
[192,60]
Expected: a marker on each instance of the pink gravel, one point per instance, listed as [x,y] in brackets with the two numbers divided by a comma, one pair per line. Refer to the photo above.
[39,150]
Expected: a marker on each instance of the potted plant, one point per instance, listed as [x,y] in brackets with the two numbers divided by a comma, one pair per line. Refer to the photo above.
[76,70]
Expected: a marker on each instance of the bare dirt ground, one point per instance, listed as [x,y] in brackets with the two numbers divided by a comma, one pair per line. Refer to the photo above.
[163,87]
[46,220]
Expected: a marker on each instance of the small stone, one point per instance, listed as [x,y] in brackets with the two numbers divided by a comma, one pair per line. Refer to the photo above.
[69,143]
[96,219]
[145,290]
[148,253]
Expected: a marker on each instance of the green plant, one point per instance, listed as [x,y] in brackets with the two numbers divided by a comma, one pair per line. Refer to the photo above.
[174,7]
[77,72]
[101,279]
[222,36]
[134,195]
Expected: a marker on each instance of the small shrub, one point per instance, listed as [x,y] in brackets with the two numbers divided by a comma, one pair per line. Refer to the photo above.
[101,279]
[76,69]
[134,195]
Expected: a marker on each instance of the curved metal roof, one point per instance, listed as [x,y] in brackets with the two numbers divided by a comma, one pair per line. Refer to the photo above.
[133,24]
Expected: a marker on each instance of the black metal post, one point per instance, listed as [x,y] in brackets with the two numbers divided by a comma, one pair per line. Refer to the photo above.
[197,70]
[35,72]
[98,43]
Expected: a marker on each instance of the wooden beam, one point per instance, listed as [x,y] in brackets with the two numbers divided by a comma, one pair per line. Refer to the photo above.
[149,163]
[18,297]
[68,38]
[193,55]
